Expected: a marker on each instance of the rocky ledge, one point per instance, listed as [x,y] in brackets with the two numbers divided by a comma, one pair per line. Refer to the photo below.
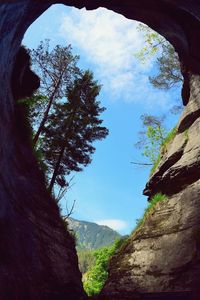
[164,254]
[161,259]
[180,166]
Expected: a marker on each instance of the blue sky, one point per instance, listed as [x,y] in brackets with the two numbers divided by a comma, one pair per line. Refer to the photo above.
[109,191]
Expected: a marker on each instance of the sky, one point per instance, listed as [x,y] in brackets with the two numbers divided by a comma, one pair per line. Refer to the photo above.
[109,190]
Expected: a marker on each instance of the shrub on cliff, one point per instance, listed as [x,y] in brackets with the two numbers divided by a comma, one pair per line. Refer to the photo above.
[95,278]
[155,199]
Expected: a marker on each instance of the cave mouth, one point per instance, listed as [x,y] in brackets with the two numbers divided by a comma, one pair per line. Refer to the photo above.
[123,206]
[114,144]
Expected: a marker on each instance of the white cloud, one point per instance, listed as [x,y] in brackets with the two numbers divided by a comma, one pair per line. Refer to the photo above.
[107,37]
[115,224]
[109,41]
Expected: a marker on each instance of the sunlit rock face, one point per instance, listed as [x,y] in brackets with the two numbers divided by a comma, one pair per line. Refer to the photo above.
[180,166]
[163,255]
[37,256]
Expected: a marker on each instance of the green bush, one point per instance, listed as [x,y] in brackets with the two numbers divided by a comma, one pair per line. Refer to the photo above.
[86,260]
[155,199]
[155,165]
[95,278]
[170,136]
[163,148]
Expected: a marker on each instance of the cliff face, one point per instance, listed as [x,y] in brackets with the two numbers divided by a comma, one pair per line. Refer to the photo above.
[37,255]
[180,165]
[163,255]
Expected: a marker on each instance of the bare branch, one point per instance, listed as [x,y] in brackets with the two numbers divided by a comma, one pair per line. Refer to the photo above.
[141,164]
[69,212]
[63,190]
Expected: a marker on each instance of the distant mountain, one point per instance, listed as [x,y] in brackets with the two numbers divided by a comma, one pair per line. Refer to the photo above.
[91,235]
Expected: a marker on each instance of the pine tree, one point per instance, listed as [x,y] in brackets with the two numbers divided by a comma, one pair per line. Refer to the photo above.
[72,129]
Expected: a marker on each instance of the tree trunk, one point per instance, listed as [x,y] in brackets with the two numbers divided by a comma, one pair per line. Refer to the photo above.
[55,172]
[44,119]
[62,150]
[46,114]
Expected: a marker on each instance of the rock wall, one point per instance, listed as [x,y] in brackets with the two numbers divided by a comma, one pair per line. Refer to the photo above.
[163,255]
[37,255]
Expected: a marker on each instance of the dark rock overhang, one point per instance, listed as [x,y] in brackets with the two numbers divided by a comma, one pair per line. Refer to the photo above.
[177,20]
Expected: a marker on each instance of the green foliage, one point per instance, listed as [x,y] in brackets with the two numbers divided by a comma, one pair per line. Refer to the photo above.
[167,62]
[65,114]
[169,137]
[168,66]
[73,127]
[163,148]
[86,260]
[152,43]
[156,164]
[95,278]
[155,141]
[35,105]
[152,138]
[155,199]
[186,135]
[56,67]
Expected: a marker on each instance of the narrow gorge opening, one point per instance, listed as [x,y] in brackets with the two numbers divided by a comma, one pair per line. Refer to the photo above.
[109,191]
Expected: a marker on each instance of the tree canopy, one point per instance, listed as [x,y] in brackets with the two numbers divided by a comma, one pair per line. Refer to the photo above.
[72,129]
[65,113]
[168,73]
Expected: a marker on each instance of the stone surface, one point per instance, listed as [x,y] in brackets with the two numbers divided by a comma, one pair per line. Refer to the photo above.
[37,255]
[178,21]
[180,166]
[180,169]
[192,111]
[164,254]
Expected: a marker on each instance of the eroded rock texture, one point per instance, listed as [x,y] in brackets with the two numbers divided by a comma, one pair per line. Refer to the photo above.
[37,256]
[180,166]
[163,255]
